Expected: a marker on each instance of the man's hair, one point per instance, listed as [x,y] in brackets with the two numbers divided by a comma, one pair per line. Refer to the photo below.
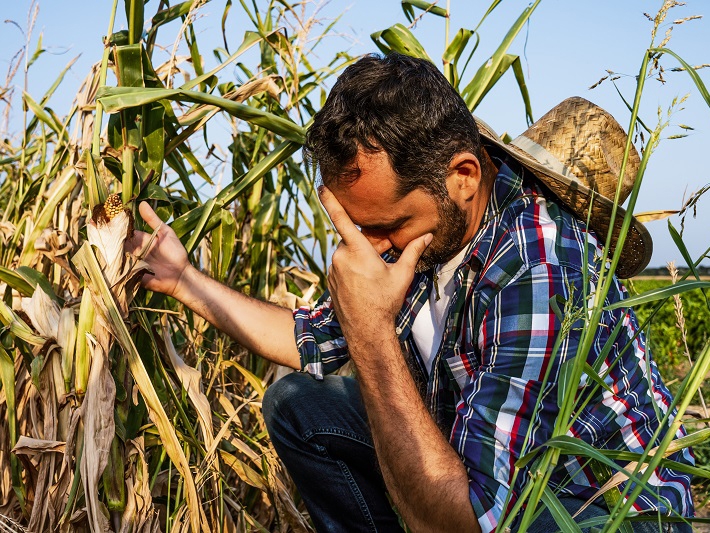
[397,104]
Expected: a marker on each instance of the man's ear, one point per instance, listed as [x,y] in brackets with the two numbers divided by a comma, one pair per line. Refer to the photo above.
[464,177]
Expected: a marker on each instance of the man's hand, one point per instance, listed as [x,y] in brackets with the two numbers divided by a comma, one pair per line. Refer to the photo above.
[367,292]
[166,256]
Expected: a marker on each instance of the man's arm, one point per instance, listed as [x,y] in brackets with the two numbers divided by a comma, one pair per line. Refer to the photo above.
[424,475]
[261,327]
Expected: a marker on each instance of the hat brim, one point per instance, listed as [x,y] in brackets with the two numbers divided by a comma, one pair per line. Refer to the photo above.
[638,246]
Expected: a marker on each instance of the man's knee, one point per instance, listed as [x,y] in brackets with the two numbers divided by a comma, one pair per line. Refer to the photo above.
[283,397]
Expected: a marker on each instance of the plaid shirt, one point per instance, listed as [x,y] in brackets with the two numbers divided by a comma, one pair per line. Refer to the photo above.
[497,347]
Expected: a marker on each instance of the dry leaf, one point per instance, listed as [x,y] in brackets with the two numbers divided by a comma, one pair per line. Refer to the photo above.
[99,429]
[43,312]
[29,446]
[649,216]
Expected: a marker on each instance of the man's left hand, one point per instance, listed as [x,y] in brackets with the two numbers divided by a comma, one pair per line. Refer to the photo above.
[367,292]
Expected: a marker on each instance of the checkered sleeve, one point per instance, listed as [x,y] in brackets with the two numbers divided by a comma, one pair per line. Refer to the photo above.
[319,338]
[495,414]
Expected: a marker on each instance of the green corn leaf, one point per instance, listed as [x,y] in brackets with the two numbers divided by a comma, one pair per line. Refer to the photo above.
[702,89]
[152,153]
[16,281]
[199,230]
[7,376]
[57,82]
[134,16]
[43,116]
[558,512]
[659,294]
[409,5]
[187,222]
[520,79]
[399,38]
[35,278]
[592,374]
[223,244]
[225,14]
[610,342]
[603,473]
[497,64]
[38,52]
[573,446]
[453,53]
[117,98]
[563,383]
[168,15]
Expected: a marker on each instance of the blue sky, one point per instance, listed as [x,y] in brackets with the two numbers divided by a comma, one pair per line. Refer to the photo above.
[566,48]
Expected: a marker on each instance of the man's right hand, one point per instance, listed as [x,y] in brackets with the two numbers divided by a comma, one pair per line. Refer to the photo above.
[166,256]
[261,327]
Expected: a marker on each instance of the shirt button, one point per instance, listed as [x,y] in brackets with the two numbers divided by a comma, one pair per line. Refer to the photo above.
[422,285]
[398,330]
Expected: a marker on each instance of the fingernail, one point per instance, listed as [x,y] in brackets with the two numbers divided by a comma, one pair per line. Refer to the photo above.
[427,238]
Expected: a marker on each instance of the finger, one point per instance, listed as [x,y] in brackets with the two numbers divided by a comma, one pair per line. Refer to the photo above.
[414,250]
[345,227]
[149,215]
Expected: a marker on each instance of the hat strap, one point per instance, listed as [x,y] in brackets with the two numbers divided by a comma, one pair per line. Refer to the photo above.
[542,156]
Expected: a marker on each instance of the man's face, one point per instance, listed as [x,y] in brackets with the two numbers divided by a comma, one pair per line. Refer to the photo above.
[390,222]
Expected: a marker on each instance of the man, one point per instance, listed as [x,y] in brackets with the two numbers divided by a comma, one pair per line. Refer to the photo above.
[440,294]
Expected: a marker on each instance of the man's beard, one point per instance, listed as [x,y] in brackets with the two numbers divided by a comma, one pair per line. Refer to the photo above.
[448,238]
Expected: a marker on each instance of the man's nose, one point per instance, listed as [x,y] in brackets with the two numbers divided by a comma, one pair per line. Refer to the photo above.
[381,243]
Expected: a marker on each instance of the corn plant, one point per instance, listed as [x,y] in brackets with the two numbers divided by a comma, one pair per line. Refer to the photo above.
[121,409]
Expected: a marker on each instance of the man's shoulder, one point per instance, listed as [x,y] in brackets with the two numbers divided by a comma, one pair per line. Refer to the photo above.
[543,231]
[531,230]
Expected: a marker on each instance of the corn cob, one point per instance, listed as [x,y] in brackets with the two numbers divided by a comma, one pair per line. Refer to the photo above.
[113,478]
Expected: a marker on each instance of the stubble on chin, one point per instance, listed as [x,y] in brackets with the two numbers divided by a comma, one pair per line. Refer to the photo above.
[447,241]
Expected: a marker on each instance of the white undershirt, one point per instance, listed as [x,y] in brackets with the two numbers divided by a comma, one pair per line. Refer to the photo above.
[428,326]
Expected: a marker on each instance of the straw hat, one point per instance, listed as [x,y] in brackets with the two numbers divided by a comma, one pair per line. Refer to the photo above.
[576,151]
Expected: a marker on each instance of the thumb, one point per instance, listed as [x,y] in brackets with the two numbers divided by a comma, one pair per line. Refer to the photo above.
[149,215]
[414,250]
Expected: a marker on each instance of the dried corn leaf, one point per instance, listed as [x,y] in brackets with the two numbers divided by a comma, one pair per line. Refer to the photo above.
[191,380]
[243,470]
[649,216]
[139,515]
[29,446]
[40,515]
[99,429]
[43,312]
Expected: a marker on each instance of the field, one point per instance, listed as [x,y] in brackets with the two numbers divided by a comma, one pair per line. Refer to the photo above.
[122,408]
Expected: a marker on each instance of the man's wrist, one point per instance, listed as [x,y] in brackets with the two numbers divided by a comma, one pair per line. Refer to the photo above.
[184,284]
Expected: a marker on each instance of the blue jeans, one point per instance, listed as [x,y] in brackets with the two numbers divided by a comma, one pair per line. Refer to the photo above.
[320,431]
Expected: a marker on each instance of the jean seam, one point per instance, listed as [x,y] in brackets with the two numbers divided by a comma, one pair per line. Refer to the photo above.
[354,489]
[308,435]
